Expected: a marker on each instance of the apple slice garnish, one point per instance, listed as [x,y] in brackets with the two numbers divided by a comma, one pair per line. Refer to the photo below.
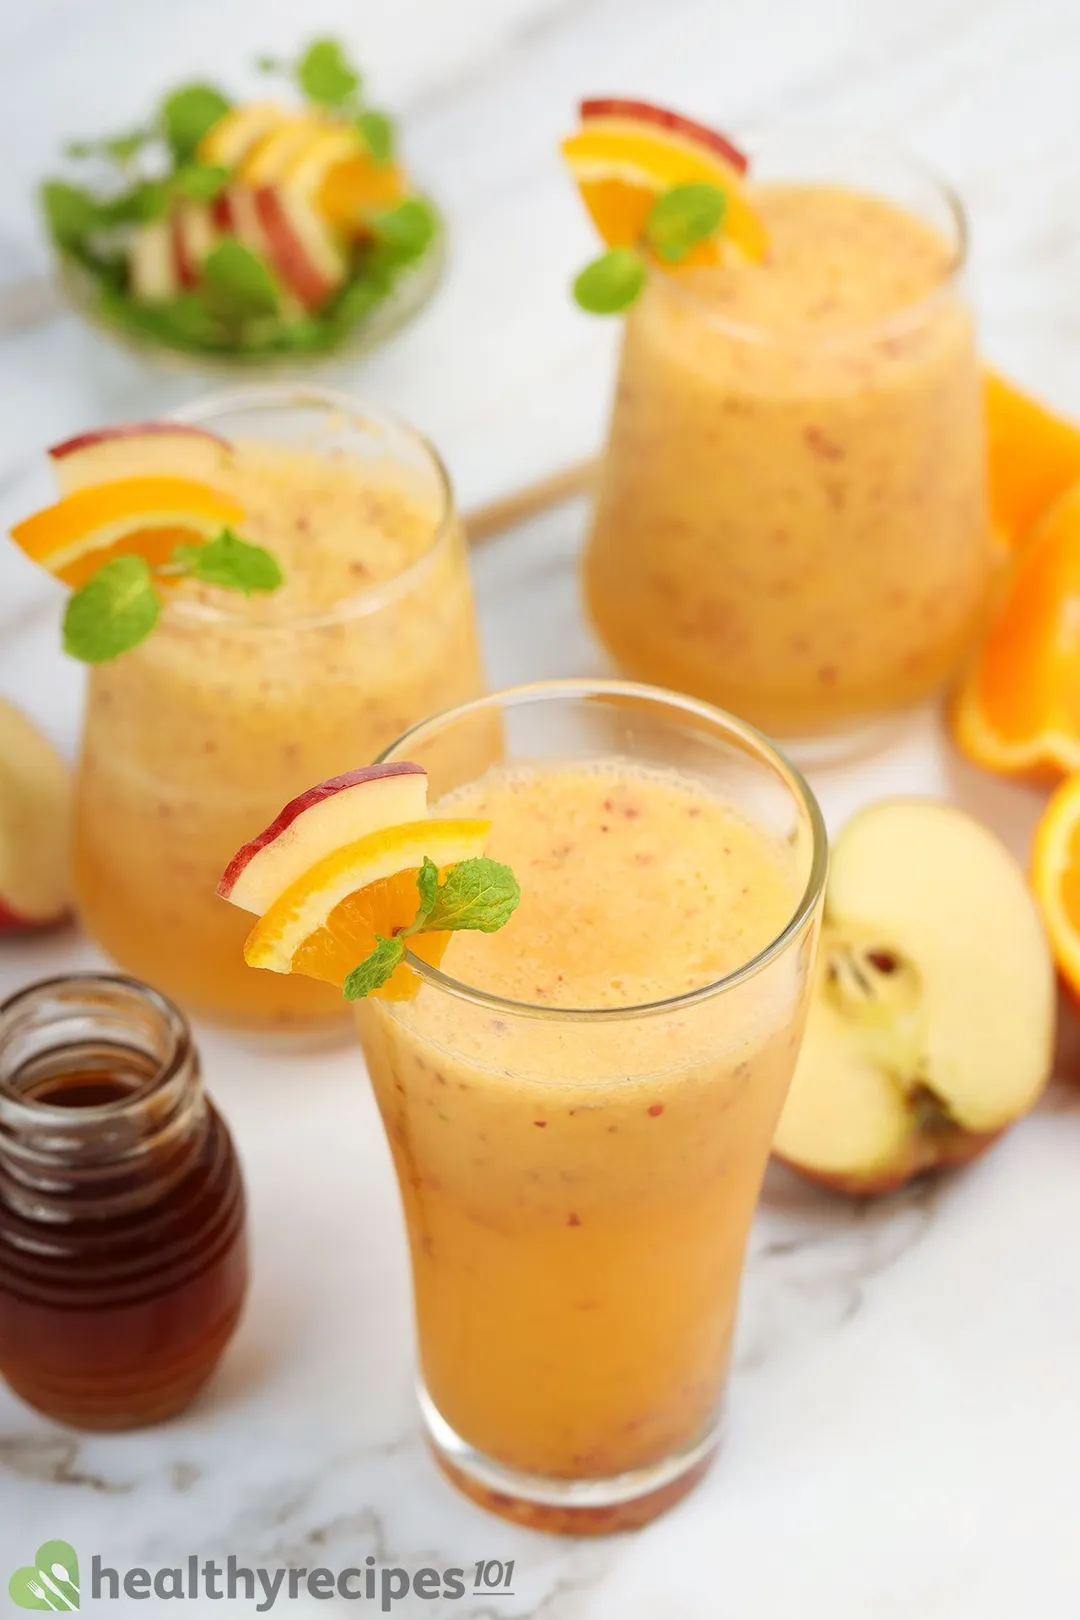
[301,248]
[931,1024]
[137,450]
[152,268]
[643,112]
[35,826]
[324,818]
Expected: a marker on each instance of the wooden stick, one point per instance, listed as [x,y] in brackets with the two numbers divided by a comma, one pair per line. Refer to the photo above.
[494,518]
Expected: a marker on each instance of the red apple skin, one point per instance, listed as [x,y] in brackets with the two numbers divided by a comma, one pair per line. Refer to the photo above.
[287,252]
[927,1151]
[12,922]
[297,806]
[646,113]
[187,272]
[128,430]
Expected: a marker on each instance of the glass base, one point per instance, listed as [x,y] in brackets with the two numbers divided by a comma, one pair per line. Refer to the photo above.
[568,1507]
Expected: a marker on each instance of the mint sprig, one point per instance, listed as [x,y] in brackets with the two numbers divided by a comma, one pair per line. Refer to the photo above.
[120,604]
[477,893]
[679,219]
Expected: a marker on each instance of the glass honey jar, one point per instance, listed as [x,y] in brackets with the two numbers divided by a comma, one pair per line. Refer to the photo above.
[123,1248]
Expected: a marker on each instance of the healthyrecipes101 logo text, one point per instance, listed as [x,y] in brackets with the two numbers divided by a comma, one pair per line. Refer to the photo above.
[51,1582]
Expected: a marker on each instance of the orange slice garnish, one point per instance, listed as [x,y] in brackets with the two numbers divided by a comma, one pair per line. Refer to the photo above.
[623,160]
[147,516]
[326,922]
[1055,877]
[1034,457]
[1018,710]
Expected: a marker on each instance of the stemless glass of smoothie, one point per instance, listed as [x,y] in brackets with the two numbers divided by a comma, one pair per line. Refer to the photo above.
[234,704]
[791,517]
[580,1106]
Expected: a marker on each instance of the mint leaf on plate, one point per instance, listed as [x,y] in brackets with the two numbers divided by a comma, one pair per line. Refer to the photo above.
[200,182]
[115,610]
[325,75]
[187,114]
[407,228]
[378,132]
[238,280]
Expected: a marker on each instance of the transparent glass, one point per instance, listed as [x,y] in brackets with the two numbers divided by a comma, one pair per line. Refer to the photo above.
[791,517]
[576,1284]
[123,1245]
[195,739]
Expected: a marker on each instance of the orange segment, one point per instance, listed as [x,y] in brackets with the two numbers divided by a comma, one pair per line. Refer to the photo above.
[358,186]
[1018,711]
[75,535]
[326,922]
[1055,877]
[1034,457]
[622,165]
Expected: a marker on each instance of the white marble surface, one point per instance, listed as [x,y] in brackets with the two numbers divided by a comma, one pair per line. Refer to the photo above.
[906,1395]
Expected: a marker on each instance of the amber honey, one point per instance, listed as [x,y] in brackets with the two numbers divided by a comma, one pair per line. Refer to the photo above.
[123,1256]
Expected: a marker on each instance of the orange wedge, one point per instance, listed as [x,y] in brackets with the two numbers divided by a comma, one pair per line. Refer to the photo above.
[148,516]
[1033,455]
[326,922]
[1055,877]
[1018,710]
[627,154]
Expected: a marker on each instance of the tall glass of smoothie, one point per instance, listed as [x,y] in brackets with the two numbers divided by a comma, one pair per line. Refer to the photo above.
[791,518]
[580,1106]
[234,704]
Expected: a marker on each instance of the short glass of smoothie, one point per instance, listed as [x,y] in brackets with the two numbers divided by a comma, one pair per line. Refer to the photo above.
[791,516]
[234,704]
[580,1107]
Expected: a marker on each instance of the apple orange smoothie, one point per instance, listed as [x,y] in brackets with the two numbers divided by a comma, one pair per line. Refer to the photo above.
[791,518]
[234,704]
[580,1106]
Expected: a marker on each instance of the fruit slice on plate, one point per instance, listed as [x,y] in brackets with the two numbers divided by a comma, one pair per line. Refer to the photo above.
[149,516]
[35,823]
[931,1023]
[1018,709]
[327,921]
[326,817]
[267,159]
[227,142]
[137,450]
[1034,457]
[1055,877]
[626,154]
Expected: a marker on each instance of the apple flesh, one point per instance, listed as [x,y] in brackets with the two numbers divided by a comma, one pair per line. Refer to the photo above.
[35,826]
[138,450]
[645,113]
[300,247]
[324,818]
[931,1023]
[152,269]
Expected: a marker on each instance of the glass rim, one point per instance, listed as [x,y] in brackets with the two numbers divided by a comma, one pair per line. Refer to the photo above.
[17,1109]
[756,743]
[883,327]
[368,599]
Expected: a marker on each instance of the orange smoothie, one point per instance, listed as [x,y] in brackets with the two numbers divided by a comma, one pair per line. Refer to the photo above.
[232,705]
[578,1188]
[791,517]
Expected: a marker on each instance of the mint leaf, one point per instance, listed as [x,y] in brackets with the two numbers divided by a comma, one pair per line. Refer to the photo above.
[378,132]
[238,281]
[146,200]
[477,893]
[115,610]
[325,75]
[71,213]
[374,970]
[187,114]
[427,883]
[120,148]
[683,216]
[200,182]
[408,227]
[611,283]
[229,562]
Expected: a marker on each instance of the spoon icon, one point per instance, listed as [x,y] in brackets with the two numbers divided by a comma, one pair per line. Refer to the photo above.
[62,1575]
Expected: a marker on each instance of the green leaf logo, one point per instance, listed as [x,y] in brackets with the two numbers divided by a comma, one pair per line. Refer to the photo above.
[51,1582]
